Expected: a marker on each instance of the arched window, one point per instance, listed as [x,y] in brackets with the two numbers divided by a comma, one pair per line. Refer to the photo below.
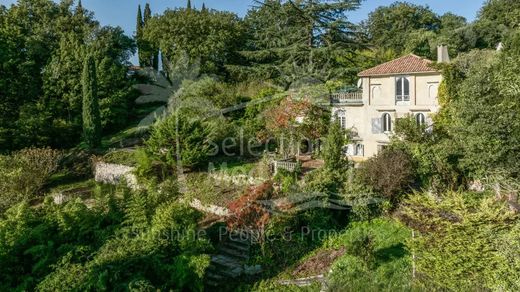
[420,119]
[402,89]
[342,119]
[387,122]
[376,92]
[433,90]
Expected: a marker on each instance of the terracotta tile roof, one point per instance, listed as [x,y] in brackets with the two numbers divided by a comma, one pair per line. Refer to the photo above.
[406,64]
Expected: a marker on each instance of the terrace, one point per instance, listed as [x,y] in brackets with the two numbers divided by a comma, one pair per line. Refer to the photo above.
[347,98]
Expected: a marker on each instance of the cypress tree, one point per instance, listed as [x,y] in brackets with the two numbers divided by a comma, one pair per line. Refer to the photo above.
[139,35]
[333,155]
[147,13]
[189,5]
[152,54]
[203,7]
[91,115]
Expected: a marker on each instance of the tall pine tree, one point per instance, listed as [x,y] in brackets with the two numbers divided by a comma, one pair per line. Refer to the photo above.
[189,5]
[91,115]
[152,53]
[139,36]
[298,40]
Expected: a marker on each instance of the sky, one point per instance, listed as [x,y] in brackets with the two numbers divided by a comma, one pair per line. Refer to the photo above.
[123,12]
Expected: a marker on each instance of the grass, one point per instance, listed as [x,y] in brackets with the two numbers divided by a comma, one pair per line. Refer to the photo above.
[376,259]
[212,191]
[234,165]
[82,184]
[124,157]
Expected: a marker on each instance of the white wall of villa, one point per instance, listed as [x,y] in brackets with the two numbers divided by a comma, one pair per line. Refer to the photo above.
[385,98]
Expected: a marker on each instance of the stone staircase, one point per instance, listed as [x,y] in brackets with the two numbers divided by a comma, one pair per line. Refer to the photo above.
[229,262]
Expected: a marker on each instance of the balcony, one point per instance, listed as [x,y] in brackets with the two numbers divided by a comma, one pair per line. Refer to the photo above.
[347,98]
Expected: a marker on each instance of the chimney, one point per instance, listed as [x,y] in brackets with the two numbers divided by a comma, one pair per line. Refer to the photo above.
[442,54]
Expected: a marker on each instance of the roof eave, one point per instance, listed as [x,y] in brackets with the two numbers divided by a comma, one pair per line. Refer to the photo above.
[396,73]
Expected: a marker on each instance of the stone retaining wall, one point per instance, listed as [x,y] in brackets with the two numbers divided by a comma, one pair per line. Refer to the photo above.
[115,173]
[241,179]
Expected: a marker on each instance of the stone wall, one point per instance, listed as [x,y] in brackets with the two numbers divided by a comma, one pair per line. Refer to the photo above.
[115,173]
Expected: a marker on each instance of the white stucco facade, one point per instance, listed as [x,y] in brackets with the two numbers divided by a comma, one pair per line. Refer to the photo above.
[385,98]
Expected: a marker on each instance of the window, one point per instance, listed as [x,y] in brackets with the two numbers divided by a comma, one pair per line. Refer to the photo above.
[402,89]
[381,148]
[420,119]
[342,119]
[360,150]
[376,92]
[387,122]
[433,90]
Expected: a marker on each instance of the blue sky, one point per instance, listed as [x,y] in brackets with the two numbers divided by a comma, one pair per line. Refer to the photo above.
[123,12]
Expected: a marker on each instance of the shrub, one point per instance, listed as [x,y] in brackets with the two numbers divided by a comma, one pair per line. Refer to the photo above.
[391,173]
[24,173]
[324,181]
[286,179]
[180,133]
[464,241]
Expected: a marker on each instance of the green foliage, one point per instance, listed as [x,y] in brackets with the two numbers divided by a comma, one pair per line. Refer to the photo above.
[23,174]
[376,258]
[324,181]
[148,52]
[333,153]
[435,157]
[124,157]
[154,245]
[478,114]
[91,115]
[464,241]
[409,130]
[210,93]
[286,179]
[207,38]
[292,42]
[392,26]
[181,138]
[44,45]
[496,20]
[139,34]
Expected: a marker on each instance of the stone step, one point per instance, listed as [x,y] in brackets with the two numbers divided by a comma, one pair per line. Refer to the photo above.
[240,254]
[226,261]
[211,283]
[226,272]
[215,277]
[236,245]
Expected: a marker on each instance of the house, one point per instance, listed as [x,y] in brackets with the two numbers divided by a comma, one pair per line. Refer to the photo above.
[404,86]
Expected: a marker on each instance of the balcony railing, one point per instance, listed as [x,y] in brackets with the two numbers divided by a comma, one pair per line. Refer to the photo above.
[347,97]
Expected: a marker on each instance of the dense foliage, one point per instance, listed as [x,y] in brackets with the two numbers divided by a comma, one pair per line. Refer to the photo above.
[467,241]
[185,37]
[126,241]
[44,45]
[23,174]
[294,41]
[244,93]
